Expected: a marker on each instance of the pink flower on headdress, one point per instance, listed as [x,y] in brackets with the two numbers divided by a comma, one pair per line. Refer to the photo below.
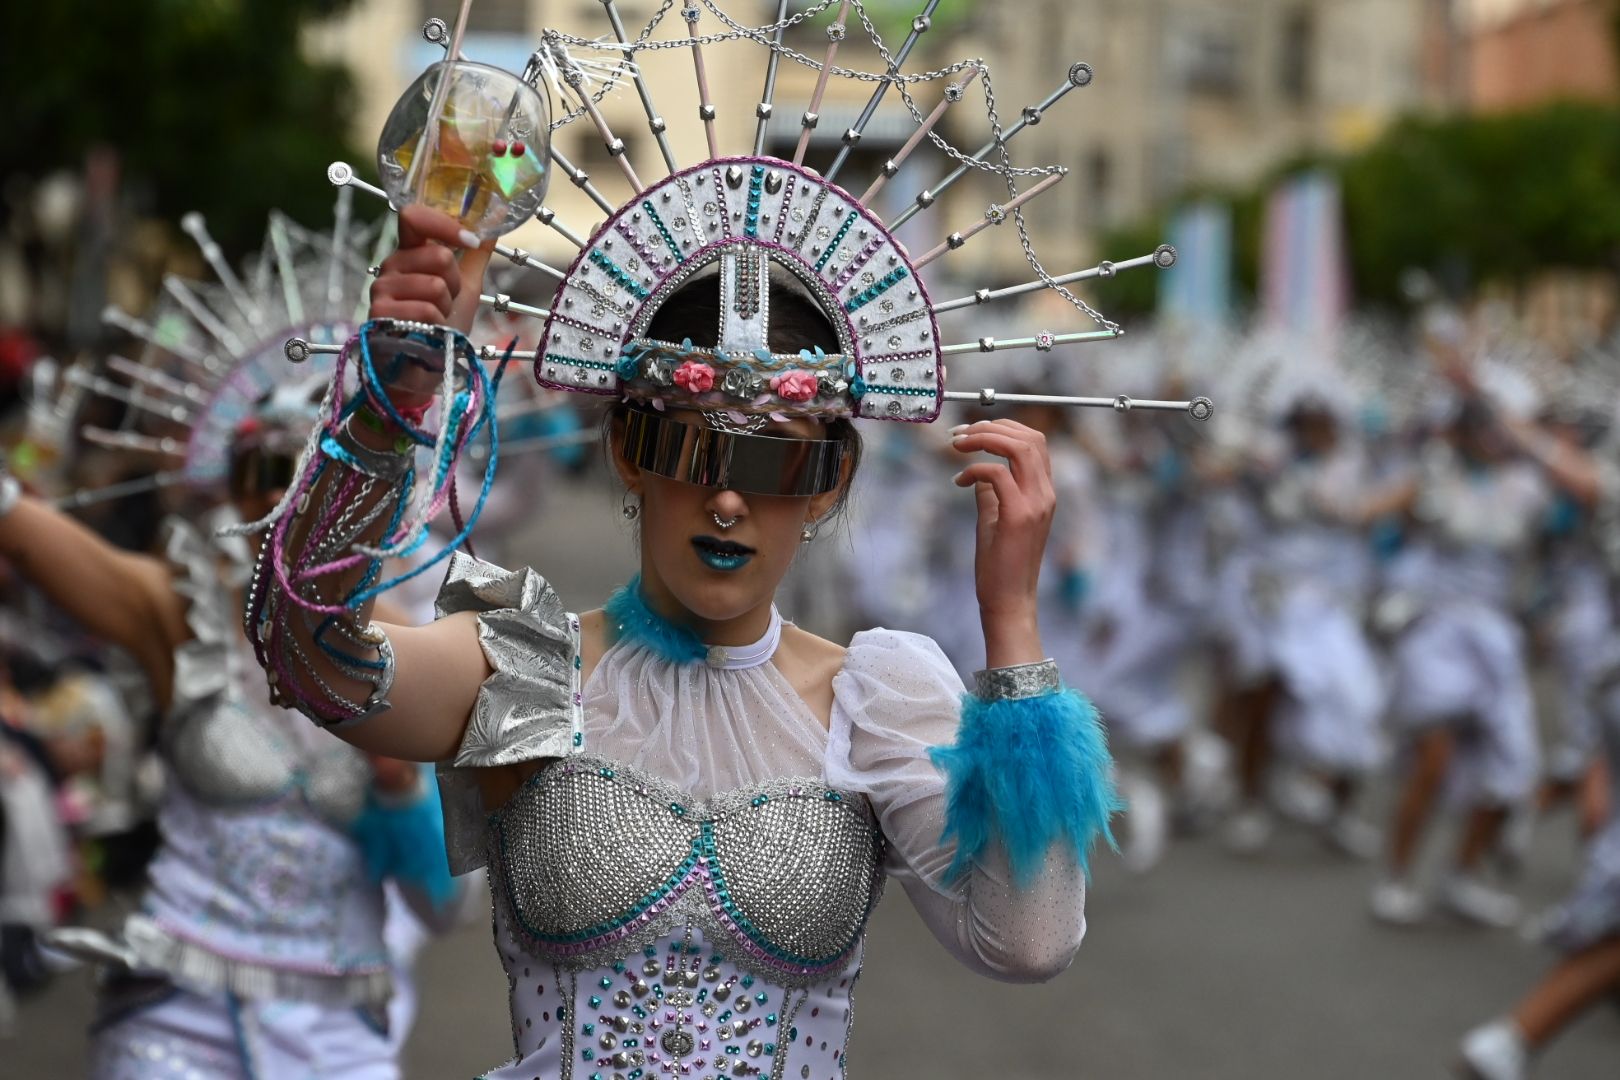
[694,378]
[795,385]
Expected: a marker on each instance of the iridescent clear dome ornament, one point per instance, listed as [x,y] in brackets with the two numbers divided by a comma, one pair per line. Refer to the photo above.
[485,160]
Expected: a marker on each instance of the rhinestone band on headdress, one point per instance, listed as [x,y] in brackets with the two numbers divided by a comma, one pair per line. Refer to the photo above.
[749,216]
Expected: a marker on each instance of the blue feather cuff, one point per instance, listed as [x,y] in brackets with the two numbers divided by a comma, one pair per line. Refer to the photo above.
[1028,773]
[406,843]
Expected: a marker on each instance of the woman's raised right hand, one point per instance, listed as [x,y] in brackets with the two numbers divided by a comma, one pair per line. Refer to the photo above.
[424,280]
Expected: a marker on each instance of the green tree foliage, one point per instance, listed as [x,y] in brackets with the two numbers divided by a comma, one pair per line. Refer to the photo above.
[1470,199]
[1498,196]
[209,104]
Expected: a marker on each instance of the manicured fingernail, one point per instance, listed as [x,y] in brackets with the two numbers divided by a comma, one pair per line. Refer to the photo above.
[469,238]
[957,479]
[959,428]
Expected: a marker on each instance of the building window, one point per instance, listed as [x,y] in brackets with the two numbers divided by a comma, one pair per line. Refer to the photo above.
[1212,61]
[1100,185]
[486,16]
[1295,59]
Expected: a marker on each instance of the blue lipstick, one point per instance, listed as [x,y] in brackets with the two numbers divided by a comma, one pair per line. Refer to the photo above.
[723,555]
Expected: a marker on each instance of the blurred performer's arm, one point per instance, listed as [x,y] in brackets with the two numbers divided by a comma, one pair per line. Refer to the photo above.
[123,598]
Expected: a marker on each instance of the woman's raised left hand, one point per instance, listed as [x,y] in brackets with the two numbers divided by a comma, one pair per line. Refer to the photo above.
[1016,501]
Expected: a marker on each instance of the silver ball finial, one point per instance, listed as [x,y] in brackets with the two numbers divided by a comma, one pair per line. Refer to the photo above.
[1201,408]
[1123,404]
[1164,256]
[296,350]
[921,24]
[1080,74]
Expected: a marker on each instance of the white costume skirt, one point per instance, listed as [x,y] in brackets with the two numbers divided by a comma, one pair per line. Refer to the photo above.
[1334,690]
[150,1030]
[1463,665]
[1130,672]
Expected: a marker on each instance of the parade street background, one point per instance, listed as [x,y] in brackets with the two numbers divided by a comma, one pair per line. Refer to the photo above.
[1210,967]
[1382,236]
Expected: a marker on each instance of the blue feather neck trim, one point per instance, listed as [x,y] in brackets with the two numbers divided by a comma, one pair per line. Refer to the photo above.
[641,625]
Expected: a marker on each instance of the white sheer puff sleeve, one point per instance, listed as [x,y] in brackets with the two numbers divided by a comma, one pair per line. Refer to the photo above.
[528,709]
[896,699]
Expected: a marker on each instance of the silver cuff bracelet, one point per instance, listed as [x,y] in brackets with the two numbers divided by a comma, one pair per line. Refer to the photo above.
[1019,681]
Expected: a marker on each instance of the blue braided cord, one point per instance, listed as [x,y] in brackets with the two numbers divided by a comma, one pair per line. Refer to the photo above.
[373,571]
[488,415]
[376,385]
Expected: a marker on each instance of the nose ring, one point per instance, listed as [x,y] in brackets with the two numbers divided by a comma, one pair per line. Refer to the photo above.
[724,523]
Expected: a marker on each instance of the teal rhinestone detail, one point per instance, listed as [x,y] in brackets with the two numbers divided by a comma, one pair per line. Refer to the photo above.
[588,1054]
[616,272]
[677,809]
[876,289]
[574,361]
[596,1002]
[733,1049]
[649,952]
[833,796]
[760,998]
[579,738]
[588,1029]
[770,1048]
[770,1020]
[747,981]
[760,800]
[793,1033]
[902,391]
[562,1012]
[663,230]
[838,238]
[756,181]
[618,967]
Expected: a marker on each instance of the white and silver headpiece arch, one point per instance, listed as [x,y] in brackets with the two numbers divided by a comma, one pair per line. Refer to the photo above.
[750,215]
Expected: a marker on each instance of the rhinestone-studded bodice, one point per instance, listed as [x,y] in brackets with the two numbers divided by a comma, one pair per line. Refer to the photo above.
[593,861]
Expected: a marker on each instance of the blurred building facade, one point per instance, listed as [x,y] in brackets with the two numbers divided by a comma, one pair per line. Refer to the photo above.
[1194,93]
[1519,53]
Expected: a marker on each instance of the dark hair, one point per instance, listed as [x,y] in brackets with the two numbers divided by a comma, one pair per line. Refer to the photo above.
[692,312]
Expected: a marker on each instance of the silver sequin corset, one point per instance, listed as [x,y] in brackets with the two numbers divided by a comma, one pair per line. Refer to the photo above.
[593,861]
[225,756]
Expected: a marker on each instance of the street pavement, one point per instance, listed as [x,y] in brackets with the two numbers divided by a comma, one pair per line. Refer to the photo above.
[1209,967]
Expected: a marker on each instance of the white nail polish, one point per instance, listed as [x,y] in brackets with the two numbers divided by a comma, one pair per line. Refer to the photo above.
[959,428]
[469,238]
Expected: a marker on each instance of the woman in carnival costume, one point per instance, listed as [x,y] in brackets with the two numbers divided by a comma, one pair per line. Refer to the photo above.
[687,804]
[1307,592]
[1461,696]
[258,949]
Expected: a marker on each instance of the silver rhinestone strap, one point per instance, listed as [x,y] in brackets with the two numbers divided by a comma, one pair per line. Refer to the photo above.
[1019,681]
[379,464]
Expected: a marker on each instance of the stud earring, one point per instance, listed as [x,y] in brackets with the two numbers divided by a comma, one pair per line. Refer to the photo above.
[630,510]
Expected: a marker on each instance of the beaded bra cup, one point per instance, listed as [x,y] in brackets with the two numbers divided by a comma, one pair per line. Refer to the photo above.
[593,860]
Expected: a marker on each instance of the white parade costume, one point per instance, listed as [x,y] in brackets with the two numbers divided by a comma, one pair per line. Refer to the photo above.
[1461,661]
[684,885]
